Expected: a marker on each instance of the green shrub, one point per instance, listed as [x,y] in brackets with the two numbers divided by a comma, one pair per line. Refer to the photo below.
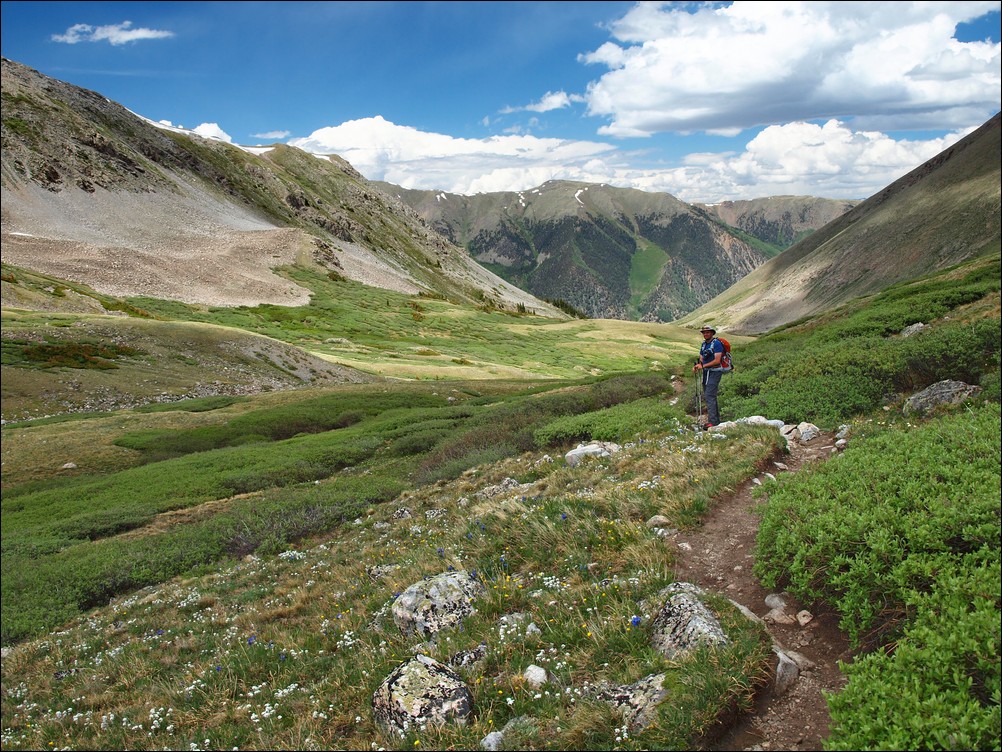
[875,524]
[953,350]
[417,442]
[310,416]
[80,355]
[901,534]
[196,405]
[939,687]
[509,428]
[991,385]
[618,423]
[850,363]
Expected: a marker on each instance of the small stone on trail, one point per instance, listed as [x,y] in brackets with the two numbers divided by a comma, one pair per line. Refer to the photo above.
[775,600]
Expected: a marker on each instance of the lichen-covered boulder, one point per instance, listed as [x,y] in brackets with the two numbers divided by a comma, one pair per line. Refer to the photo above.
[436,603]
[638,702]
[419,693]
[684,622]
[946,392]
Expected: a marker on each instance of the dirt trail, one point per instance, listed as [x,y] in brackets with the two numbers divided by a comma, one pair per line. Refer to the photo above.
[718,556]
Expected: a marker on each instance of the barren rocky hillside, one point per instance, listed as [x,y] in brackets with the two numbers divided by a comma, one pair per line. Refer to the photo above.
[95,194]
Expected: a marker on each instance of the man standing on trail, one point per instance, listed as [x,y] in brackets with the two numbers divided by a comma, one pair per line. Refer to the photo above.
[711,353]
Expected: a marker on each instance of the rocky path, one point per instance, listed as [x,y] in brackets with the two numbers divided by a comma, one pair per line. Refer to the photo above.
[718,556]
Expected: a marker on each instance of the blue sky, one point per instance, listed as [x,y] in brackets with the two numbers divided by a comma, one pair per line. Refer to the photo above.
[706,101]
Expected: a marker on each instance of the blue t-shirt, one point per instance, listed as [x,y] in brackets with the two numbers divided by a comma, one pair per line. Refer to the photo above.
[708,351]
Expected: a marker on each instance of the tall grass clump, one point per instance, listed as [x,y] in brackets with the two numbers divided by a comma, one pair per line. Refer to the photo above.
[901,535]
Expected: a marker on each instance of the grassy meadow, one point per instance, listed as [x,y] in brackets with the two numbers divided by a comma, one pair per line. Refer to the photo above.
[217,572]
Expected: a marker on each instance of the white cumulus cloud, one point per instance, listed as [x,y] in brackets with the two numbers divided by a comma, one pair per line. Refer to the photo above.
[271,134]
[802,159]
[408,157]
[551,100]
[115,34]
[212,130]
[830,160]
[710,67]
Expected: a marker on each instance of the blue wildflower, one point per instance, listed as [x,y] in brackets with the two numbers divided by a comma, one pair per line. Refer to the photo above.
[635,621]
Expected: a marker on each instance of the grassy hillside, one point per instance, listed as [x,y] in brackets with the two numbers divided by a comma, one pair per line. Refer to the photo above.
[158,203]
[219,571]
[348,332]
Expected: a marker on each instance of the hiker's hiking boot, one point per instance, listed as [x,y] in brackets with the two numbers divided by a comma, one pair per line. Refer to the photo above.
[708,426]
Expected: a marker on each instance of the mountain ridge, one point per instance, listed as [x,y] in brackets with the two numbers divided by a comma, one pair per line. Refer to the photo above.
[616,252]
[941,213]
[67,149]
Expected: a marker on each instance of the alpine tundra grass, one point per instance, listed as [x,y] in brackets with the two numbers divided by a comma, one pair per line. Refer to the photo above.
[205,578]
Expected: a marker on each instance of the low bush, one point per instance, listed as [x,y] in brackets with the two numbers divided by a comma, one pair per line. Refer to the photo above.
[195,405]
[901,534]
[272,424]
[832,371]
[870,527]
[510,428]
[938,688]
[618,423]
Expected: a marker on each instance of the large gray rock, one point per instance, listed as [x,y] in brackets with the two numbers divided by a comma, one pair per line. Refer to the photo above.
[436,603]
[421,692]
[941,393]
[808,431]
[915,328]
[593,449]
[684,623]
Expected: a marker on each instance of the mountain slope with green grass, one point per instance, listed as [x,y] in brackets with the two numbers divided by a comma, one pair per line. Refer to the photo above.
[94,194]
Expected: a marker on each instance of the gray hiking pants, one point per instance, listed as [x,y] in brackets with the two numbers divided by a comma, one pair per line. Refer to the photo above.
[711,383]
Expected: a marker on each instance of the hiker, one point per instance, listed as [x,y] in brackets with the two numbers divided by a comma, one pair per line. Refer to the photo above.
[711,354]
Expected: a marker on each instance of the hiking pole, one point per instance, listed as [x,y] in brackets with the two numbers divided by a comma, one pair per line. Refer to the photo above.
[699,397]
